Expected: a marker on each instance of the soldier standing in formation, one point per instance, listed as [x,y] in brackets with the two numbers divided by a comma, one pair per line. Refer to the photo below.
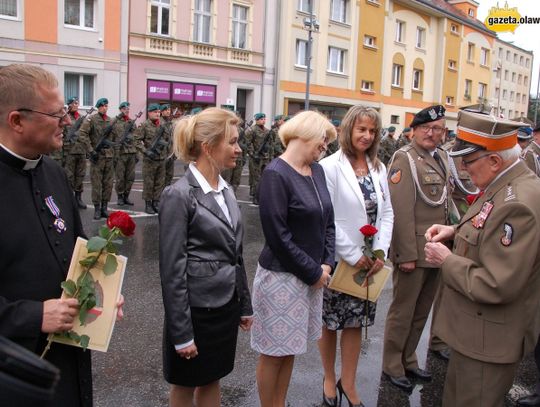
[531,154]
[126,153]
[259,149]
[154,138]
[167,122]
[276,142]
[98,128]
[419,189]
[404,138]
[76,147]
[234,175]
[388,146]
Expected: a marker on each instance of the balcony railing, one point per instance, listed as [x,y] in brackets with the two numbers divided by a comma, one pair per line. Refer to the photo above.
[161,45]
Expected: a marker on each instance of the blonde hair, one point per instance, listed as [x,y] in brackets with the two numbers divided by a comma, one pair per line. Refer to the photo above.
[307,125]
[355,113]
[19,87]
[210,126]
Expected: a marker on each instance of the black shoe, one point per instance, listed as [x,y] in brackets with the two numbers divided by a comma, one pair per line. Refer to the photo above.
[97,211]
[104,213]
[149,209]
[121,201]
[530,400]
[127,201]
[80,203]
[402,382]
[443,354]
[417,373]
[155,205]
[328,401]
[342,393]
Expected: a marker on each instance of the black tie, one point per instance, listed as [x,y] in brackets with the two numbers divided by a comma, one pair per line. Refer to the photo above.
[439,161]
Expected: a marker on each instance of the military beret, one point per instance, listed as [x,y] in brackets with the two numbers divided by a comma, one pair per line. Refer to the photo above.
[195,110]
[123,104]
[477,131]
[336,122]
[278,117]
[259,116]
[429,114]
[164,107]
[102,101]
[153,107]
[72,99]
[406,129]
[524,133]
[391,129]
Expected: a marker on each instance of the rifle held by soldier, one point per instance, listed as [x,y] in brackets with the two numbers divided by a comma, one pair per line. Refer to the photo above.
[102,144]
[153,151]
[73,132]
[126,136]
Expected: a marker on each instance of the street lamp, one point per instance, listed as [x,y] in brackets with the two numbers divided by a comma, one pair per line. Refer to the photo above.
[311,24]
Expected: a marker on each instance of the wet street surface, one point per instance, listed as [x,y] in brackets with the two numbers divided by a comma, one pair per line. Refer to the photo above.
[130,373]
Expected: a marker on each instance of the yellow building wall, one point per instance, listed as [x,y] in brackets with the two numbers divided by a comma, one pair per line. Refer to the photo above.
[452,52]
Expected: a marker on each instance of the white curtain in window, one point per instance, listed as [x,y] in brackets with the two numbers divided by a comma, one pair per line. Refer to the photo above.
[88,90]
[72,12]
[8,8]
[89,13]
[71,85]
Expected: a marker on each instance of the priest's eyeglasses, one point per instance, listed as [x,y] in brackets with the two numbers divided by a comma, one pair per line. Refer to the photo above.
[61,117]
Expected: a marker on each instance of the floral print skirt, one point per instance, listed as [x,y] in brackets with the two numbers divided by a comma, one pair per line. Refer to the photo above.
[345,311]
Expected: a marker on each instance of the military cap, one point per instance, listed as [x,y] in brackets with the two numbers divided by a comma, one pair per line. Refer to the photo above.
[427,115]
[123,104]
[102,101]
[524,133]
[195,110]
[259,116]
[164,107]
[152,107]
[72,99]
[278,117]
[336,122]
[477,131]
[391,129]
[451,134]
[406,129]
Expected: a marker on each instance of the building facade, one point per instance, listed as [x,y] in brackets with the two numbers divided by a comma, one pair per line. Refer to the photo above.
[84,42]
[197,53]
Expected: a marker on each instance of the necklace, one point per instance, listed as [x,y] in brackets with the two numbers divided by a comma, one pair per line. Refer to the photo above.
[360,172]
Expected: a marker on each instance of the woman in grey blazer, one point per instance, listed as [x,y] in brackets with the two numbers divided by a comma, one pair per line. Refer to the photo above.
[204,284]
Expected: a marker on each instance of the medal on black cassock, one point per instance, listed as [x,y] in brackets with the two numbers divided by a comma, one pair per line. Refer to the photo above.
[59,223]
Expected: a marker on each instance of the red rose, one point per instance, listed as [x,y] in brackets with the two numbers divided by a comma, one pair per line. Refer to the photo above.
[122,221]
[368,230]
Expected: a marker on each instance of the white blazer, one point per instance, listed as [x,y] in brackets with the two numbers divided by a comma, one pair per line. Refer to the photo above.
[350,209]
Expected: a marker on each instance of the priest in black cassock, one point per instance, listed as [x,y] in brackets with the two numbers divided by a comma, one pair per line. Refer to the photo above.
[39,223]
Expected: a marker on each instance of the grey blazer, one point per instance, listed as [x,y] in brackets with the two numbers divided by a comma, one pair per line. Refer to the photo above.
[200,255]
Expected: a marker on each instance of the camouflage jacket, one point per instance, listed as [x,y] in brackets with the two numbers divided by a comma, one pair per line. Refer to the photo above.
[93,128]
[148,133]
[77,144]
[169,128]
[387,148]
[401,142]
[127,145]
[277,146]
[259,143]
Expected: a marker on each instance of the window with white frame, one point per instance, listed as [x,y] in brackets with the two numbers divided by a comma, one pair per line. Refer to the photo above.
[515,58]
[79,13]
[8,8]
[203,20]
[367,86]
[470,52]
[450,100]
[370,41]
[397,71]
[520,79]
[453,28]
[159,17]
[81,86]
[521,60]
[482,90]
[513,77]
[452,64]
[338,10]
[417,79]
[301,53]
[505,94]
[303,5]
[500,53]
[394,119]
[527,62]
[420,37]
[484,56]
[508,53]
[468,89]
[336,60]
[526,80]
[240,23]
[506,74]
[400,31]
[471,12]
[518,97]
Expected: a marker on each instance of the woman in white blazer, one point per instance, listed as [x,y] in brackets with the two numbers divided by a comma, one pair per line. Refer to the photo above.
[357,183]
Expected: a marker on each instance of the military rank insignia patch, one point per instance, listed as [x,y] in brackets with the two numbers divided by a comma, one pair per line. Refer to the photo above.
[506,238]
[395,176]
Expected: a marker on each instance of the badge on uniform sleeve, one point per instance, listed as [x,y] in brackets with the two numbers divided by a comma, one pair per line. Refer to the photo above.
[506,239]
[479,220]
[395,176]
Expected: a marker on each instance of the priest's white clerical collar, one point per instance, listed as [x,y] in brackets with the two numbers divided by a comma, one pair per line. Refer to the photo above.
[28,164]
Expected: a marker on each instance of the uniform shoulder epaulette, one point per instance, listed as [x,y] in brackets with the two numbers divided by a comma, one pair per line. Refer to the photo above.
[408,147]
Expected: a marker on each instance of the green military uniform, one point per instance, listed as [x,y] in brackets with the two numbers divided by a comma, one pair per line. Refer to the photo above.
[58,156]
[126,156]
[403,140]
[156,149]
[171,158]
[259,149]
[233,175]
[102,170]
[77,146]
[387,148]
[277,145]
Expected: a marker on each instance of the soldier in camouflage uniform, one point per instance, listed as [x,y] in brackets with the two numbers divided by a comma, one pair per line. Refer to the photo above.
[334,145]
[405,138]
[277,146]
[167,122]
[98,128]
[233,175]
[388,146]
[76,147]
[259,149]
[154,139]
[125,152]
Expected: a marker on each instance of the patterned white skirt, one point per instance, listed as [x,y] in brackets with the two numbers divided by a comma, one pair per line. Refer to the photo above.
[287,313]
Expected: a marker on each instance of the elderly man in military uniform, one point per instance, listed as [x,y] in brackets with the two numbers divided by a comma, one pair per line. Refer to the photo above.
[404,138]
[76,147]
[126,148]
[259,149]
[420,189]
[98,128]
[489,305]
[388,146]
[156,148]
[167,122]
